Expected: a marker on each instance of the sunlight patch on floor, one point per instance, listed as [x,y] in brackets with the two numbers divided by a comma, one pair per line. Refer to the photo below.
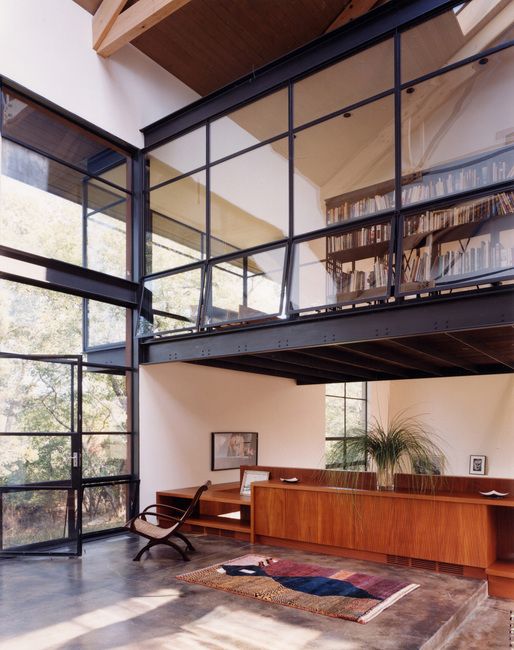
[48,637]
[233,629]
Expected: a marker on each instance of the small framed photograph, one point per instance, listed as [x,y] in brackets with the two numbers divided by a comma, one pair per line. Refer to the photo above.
[249,477]
[230,450]
[477,465]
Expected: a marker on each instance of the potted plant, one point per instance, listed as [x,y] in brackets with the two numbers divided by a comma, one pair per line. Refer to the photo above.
[400,446]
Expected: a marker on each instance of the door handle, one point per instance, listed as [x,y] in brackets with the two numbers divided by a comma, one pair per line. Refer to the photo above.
[75,458]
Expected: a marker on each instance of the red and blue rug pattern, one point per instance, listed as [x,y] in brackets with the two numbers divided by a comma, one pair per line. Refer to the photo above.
[322,590]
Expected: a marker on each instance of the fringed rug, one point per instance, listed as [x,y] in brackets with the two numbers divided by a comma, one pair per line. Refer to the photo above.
[318,589]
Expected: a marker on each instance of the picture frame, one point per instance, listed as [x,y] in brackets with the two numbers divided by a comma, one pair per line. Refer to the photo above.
[477,465]
[231,449]
[252,476]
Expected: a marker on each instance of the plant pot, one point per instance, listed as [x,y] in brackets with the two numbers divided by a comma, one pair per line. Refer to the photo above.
[385,478]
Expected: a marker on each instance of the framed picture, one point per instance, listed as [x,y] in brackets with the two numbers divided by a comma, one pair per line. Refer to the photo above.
[249,477]
[231,450]
[477,464]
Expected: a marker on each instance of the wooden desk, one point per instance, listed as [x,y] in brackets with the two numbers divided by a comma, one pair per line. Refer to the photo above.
[221,510]
[464,534]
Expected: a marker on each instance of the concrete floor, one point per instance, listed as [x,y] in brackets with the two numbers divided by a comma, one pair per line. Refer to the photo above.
[105,600]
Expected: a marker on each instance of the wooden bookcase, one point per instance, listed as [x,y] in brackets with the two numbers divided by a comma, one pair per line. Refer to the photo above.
[357,263]
[470,242]
[220,511]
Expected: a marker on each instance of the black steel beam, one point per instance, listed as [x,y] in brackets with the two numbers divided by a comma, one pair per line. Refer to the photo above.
[378,24]
[455,313]
[68,278]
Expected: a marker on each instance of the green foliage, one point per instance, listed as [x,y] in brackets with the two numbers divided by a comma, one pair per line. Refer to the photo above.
[401,445]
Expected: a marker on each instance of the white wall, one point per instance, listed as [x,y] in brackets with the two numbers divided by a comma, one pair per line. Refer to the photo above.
[46,46]
[181,404]
[472,415]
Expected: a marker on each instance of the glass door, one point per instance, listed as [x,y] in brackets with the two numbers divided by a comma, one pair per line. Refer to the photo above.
[40,454]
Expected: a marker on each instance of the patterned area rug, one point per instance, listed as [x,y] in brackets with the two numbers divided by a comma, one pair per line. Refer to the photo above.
[318,589]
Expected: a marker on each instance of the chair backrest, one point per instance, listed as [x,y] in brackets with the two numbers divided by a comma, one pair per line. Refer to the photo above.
[194,501]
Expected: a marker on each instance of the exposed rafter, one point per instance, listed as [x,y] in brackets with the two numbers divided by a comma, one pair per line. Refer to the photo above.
[353,9]
[132,22]
[104,19]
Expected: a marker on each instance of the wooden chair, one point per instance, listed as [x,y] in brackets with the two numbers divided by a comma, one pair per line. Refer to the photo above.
[157,535]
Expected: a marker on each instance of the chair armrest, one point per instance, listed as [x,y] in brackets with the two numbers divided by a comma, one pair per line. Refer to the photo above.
[162,505]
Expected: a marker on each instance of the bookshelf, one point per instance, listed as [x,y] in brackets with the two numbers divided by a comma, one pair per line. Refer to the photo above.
[470,242]
[462,175]
[357,263]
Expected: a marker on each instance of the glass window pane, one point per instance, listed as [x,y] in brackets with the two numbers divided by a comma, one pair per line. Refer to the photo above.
[40,321]
[355,416]
[177,157]
[457,130]
[35,396]
[246,127]
[104,506]
[170,303]
[455,35]
[363,75]
[334,416]
[105,455]
[50,133]
[348,267]
[356,389]
[35,516]
[344,167]
[246,288]
[104,401]
[106,323]
[43,205]
[470,242]
[177,224]
[34,459]
[336,390]
[249,197]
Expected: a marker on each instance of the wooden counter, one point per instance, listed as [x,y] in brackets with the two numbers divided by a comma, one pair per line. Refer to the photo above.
[456,533]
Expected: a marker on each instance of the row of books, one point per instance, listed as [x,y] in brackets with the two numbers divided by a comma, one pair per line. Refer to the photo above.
[356,280]
[430,186]
[461,180]
[475,259]
[473,211]
[363,237]
[353,210]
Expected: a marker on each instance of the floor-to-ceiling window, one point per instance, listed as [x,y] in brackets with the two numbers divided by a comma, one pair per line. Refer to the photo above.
[66,434]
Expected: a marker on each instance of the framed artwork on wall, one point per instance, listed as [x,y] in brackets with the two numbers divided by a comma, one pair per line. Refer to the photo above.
[477,465]
[230,450]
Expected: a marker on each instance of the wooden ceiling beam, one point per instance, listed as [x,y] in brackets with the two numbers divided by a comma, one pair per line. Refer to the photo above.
[481,348]
[104,18]
[352,10]
[135,20]
[430,351]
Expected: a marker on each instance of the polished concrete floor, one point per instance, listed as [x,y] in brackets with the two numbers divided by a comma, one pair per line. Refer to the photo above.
[105,600]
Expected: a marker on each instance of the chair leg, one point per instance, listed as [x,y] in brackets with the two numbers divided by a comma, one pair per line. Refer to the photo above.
[186,541]
[145,548]
[177,548]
